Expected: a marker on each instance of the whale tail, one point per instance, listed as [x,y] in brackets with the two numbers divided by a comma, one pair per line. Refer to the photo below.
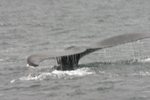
[69,58]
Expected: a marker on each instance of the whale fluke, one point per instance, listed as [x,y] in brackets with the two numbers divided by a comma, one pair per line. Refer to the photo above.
[120,39]
[69,58]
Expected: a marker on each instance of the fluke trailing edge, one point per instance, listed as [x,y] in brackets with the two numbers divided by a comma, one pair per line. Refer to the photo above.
[69,58]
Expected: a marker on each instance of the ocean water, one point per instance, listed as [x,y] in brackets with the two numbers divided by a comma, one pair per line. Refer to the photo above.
[117,73]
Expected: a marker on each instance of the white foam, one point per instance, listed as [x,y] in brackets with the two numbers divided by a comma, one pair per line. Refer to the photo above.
[145,60]
[141,73]
[12,81]
[75,73]
[30,77]
[59,74]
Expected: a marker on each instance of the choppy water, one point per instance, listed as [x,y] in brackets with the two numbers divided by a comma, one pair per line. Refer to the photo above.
[118,73]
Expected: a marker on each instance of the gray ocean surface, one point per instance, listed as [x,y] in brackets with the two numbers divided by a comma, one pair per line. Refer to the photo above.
[117,73]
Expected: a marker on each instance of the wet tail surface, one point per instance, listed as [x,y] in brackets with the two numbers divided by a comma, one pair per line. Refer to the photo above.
[69,58]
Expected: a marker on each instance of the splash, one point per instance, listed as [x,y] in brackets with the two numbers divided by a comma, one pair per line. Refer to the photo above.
[59,74]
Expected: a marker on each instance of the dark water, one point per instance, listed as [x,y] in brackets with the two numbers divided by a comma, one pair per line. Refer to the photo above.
[118,73]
